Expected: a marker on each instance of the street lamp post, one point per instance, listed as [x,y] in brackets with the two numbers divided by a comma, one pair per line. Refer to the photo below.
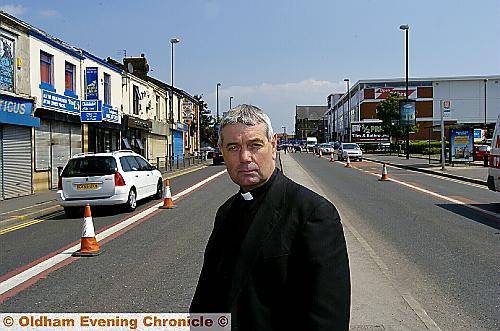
[230,106]
[284,136]
[171,94]
[406,28]
[485,81]
[348,109]
[217,103]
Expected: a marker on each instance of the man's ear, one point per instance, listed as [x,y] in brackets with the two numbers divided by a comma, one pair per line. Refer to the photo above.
[274,143]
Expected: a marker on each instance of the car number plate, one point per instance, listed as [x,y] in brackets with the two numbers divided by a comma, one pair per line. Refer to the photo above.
[91,186]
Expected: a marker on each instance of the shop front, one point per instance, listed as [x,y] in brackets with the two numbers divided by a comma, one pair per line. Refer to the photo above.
[104,136]
[58,137]
[157,142]
[134,134]
[16,122]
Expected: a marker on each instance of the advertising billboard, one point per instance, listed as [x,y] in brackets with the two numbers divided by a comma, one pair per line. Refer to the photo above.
[91,84]
[407,112]
[461,144]
[368,133]
[6,64]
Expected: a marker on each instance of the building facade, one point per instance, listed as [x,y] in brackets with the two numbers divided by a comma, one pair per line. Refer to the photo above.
[16,110]
[474,100]
[310,122]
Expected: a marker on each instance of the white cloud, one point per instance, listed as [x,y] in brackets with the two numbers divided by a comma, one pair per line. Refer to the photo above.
[14,10]
[48,13]
[278,100]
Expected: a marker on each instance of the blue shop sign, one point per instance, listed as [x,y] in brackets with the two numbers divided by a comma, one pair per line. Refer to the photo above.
[61,102]
[17,111]
[110,115]
[91,111]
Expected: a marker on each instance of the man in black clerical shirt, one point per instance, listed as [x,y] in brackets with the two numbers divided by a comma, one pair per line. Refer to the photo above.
[276,258]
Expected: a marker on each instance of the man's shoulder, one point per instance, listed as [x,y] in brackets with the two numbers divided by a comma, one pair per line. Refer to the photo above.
[296,192]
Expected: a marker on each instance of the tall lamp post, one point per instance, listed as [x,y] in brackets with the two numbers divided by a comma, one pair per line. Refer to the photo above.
[348,109]
[284,136]
[217,103]
[406,28]
[171,94]
[230,104]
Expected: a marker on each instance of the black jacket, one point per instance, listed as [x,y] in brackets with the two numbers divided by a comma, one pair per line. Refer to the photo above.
[292,272]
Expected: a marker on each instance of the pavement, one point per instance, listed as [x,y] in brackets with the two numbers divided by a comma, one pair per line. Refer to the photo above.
[473,173]
[377,303]
[38,205]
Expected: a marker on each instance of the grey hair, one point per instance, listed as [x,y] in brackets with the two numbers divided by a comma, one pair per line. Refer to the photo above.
[248,115]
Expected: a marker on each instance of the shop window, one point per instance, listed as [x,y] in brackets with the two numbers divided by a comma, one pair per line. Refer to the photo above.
[107,89]
[46,61]
[69,77]
[136,100]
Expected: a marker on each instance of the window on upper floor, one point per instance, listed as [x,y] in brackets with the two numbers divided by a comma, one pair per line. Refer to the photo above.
[46,67]
[136,98]
[107,89]
[69,77]
[158,107]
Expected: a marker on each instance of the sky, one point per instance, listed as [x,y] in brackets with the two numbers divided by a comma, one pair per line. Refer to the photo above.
[278,54]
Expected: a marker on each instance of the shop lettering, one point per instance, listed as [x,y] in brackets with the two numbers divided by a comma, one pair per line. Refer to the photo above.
[12,107]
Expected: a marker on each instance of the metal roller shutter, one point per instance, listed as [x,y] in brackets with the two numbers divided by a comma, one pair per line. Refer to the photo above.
[61,139]
[16,161]
[178,144]
[42,146]
[76,139]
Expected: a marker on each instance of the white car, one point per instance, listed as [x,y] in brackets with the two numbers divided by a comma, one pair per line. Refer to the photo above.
[114,178]
[351,149]
[327,148]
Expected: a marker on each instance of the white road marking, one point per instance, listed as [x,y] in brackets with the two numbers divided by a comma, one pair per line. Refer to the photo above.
[437,195]
[35,270]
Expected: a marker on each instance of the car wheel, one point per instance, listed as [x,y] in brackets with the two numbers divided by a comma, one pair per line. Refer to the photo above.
[131,201]
[72,212]
[159,190]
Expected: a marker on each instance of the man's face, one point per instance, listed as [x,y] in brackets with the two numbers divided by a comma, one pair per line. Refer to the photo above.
[248,154]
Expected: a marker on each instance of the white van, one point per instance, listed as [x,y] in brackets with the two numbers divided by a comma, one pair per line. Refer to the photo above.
[310,143]
[494,165]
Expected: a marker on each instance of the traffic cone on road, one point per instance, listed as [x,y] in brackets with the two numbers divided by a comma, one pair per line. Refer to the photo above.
[348,163]
[384,173]
[320,153]
[89,245]
[331,157]
[168,203]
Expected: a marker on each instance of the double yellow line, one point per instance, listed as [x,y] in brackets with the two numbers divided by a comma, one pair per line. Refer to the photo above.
[20,226]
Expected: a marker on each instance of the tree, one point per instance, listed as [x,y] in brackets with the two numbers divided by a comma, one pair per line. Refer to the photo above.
[207,123]
[388,111]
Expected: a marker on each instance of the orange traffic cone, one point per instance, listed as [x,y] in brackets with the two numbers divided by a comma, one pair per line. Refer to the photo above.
[89,245]
[331,157]
[168,203]
[348,163]
[320,153]
[384,173]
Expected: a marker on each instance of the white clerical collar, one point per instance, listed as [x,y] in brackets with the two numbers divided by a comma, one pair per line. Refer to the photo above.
[247,196]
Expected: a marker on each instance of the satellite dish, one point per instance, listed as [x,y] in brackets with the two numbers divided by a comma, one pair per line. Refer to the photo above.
[130,68]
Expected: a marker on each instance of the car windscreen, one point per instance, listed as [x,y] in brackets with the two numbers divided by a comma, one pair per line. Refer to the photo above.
[350,146]
[90,166]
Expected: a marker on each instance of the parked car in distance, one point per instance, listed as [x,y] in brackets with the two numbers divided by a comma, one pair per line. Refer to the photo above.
[327,148]
[113,178]
[217,157]
[351,149]
[208,151]
[480,151]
